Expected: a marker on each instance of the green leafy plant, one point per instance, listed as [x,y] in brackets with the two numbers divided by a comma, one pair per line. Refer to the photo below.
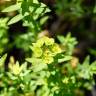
[51,72]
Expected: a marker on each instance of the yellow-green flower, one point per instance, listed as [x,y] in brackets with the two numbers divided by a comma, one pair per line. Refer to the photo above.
[47,52]
[45,49]
[48,59]
[46,40]
[49,41]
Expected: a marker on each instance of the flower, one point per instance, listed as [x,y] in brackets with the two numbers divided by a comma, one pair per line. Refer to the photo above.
[45,49]
[56,49]
[47,59]
[44,40]
[47,52]
[48,41]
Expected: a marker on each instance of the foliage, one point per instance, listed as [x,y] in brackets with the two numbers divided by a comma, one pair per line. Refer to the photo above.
[3,34]
[33,18]
[51,72]
[30,11]
[77,16]
[75,9]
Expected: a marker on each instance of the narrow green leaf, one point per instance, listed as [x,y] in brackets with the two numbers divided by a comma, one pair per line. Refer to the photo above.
[94,11]
[86,61]
[12,8]
[66,58]
[61,39]
[43,20]
[15,19]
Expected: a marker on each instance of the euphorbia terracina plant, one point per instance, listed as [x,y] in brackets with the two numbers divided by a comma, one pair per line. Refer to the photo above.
[50,68]
[51,72]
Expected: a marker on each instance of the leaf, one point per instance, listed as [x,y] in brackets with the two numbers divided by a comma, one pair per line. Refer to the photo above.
[94,11]
[15,19]
[61,39]
[2,60]
[35,1]
[39,67]
[25,7]
[86,61]
[43,20]
[66,58]
[93,68]
[12,8]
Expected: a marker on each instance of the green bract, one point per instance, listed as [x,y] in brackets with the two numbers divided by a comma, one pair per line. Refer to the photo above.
[37,51]
[56,49]
[16,69]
